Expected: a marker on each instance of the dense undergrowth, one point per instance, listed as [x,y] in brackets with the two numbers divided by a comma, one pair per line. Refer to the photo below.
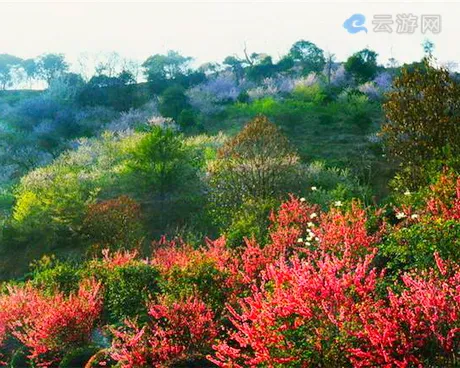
[322,291]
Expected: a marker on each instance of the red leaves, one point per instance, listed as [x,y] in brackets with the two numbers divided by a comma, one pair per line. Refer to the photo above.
[176,331]
[50,325]
[319,305]
[310,297]
[314,296]
[401,330]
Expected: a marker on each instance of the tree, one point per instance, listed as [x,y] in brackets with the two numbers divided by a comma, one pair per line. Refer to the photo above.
[109,64]
[362,65]
[428,47]
[258,163]
[172,102]
[262,68]
[165,168]
[285,64]
[422,119]
[167,66]
[126,77]
[30,68]
[236,65]
[51,66]
[7,65]
[308,55]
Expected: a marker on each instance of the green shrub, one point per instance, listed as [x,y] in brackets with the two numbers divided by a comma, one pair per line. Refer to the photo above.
[413,247]
[50,274]
[313,93]
[243,97]
[250,221]
[172,102]
[199,278]
[127,288]
[324,185]
[187,119]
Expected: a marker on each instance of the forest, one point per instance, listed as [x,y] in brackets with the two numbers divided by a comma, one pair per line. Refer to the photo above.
[292,212]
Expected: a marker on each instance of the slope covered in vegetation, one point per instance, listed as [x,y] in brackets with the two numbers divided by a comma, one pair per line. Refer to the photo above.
[304,212]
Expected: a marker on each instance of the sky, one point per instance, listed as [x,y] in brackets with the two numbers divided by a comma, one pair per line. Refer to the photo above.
[210,31]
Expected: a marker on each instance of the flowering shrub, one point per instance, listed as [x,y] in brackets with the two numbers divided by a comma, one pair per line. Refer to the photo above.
[211,96]
[323,306]
[339,287]
[50,325]
[419,326]
[205,272]
[384,81]
[294,317]
[175,332]
[114,223]
[339,76]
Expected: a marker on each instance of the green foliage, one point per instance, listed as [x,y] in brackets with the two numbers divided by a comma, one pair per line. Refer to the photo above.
[358,110]
[310,56]
[159,159]
[249,221]
[7,65]
[262,68]
[243,97]
[19,359]
[167,66]
[120,97]
[362,65]
[325,185]
[265,106]
[155,167]
[413,246]
[127,288]
[52,66]
[199,277]
[172,102]
[187,119]
[50,275]
[314,94]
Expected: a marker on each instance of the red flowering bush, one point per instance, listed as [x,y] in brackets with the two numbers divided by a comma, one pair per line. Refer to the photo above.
[114,223]
[324,307]
[333,288]
[207,272]
[295,317]
[119,258]
[419,326]
[49,326]
[177,331]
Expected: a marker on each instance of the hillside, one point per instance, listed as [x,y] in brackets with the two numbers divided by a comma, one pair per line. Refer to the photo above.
[258,213]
